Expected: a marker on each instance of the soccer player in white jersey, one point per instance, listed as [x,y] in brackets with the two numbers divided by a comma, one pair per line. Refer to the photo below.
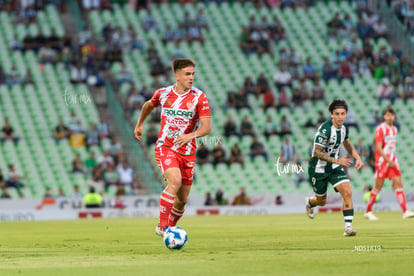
[386,164]
[326,167]
[185,115]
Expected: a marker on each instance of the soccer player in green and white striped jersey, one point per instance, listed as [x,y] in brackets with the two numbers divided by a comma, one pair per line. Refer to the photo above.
[327,167]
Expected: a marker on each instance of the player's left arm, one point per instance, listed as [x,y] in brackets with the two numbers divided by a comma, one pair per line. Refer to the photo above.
[203,130]
[351,150]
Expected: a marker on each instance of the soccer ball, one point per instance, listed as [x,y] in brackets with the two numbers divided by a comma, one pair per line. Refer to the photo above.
[175,237]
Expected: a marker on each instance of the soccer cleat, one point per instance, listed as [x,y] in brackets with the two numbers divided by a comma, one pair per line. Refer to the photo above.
[408,214]
[159,231]
[309,211]
[350,232]
[370,216]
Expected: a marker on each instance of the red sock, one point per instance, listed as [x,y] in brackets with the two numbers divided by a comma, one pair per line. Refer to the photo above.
[166,203]
[371,200]
[401,199]
[175,216]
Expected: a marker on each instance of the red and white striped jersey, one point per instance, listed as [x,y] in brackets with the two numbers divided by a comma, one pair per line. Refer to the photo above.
[388,136]
[180,114]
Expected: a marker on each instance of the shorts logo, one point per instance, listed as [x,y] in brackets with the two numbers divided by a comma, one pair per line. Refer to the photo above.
[192,173]
[167,162]
[190,164]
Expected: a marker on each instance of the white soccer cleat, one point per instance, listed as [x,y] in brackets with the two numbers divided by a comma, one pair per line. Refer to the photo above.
[159,232]
[309,211]
[408,214]
[350,232]
[370,216]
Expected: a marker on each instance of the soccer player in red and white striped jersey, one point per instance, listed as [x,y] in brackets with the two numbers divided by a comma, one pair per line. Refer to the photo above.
[386,164]
[185,115]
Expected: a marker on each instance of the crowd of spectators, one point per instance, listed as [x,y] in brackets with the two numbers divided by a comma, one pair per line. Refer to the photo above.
[189,30]
[356,58]
[258,37]
[26,11]
[110,169]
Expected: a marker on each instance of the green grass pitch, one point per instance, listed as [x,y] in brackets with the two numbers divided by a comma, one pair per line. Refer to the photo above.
[218,245]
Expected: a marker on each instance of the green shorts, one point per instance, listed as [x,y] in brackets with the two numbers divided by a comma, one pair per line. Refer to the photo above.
[320,181]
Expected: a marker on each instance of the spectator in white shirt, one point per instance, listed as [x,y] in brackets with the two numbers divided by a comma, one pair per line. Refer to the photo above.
[124,75]
[287,152]
[105,160]
[78,74]
[15,44]
[384,90]
[380,29]
[103,128]
[76,194]
[351,119]
[126,174]
[283,79]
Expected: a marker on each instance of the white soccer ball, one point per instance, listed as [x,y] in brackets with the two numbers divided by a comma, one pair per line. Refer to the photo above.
[175,237]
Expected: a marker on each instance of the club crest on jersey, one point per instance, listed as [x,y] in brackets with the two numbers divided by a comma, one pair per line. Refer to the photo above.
[178,113]
[167,162]
[190,105]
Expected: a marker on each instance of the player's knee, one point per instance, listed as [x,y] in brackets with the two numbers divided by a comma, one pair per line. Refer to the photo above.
[174,180]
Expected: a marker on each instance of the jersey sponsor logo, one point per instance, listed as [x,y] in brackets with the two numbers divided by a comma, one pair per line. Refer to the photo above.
[176,121]
[389,139]
[322,134]
[178,113]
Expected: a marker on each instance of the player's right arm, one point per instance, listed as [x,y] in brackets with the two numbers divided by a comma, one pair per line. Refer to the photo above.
[321,142]
[343,161]
[146,110]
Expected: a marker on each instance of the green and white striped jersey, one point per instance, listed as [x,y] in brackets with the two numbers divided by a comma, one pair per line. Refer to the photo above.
[331,139]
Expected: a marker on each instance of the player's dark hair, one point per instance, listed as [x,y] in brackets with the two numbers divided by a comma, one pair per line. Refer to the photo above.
[390,110]
[335,104]
[181,63]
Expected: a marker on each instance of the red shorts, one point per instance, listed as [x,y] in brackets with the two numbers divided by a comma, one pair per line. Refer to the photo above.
[167,158]
[384,171]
